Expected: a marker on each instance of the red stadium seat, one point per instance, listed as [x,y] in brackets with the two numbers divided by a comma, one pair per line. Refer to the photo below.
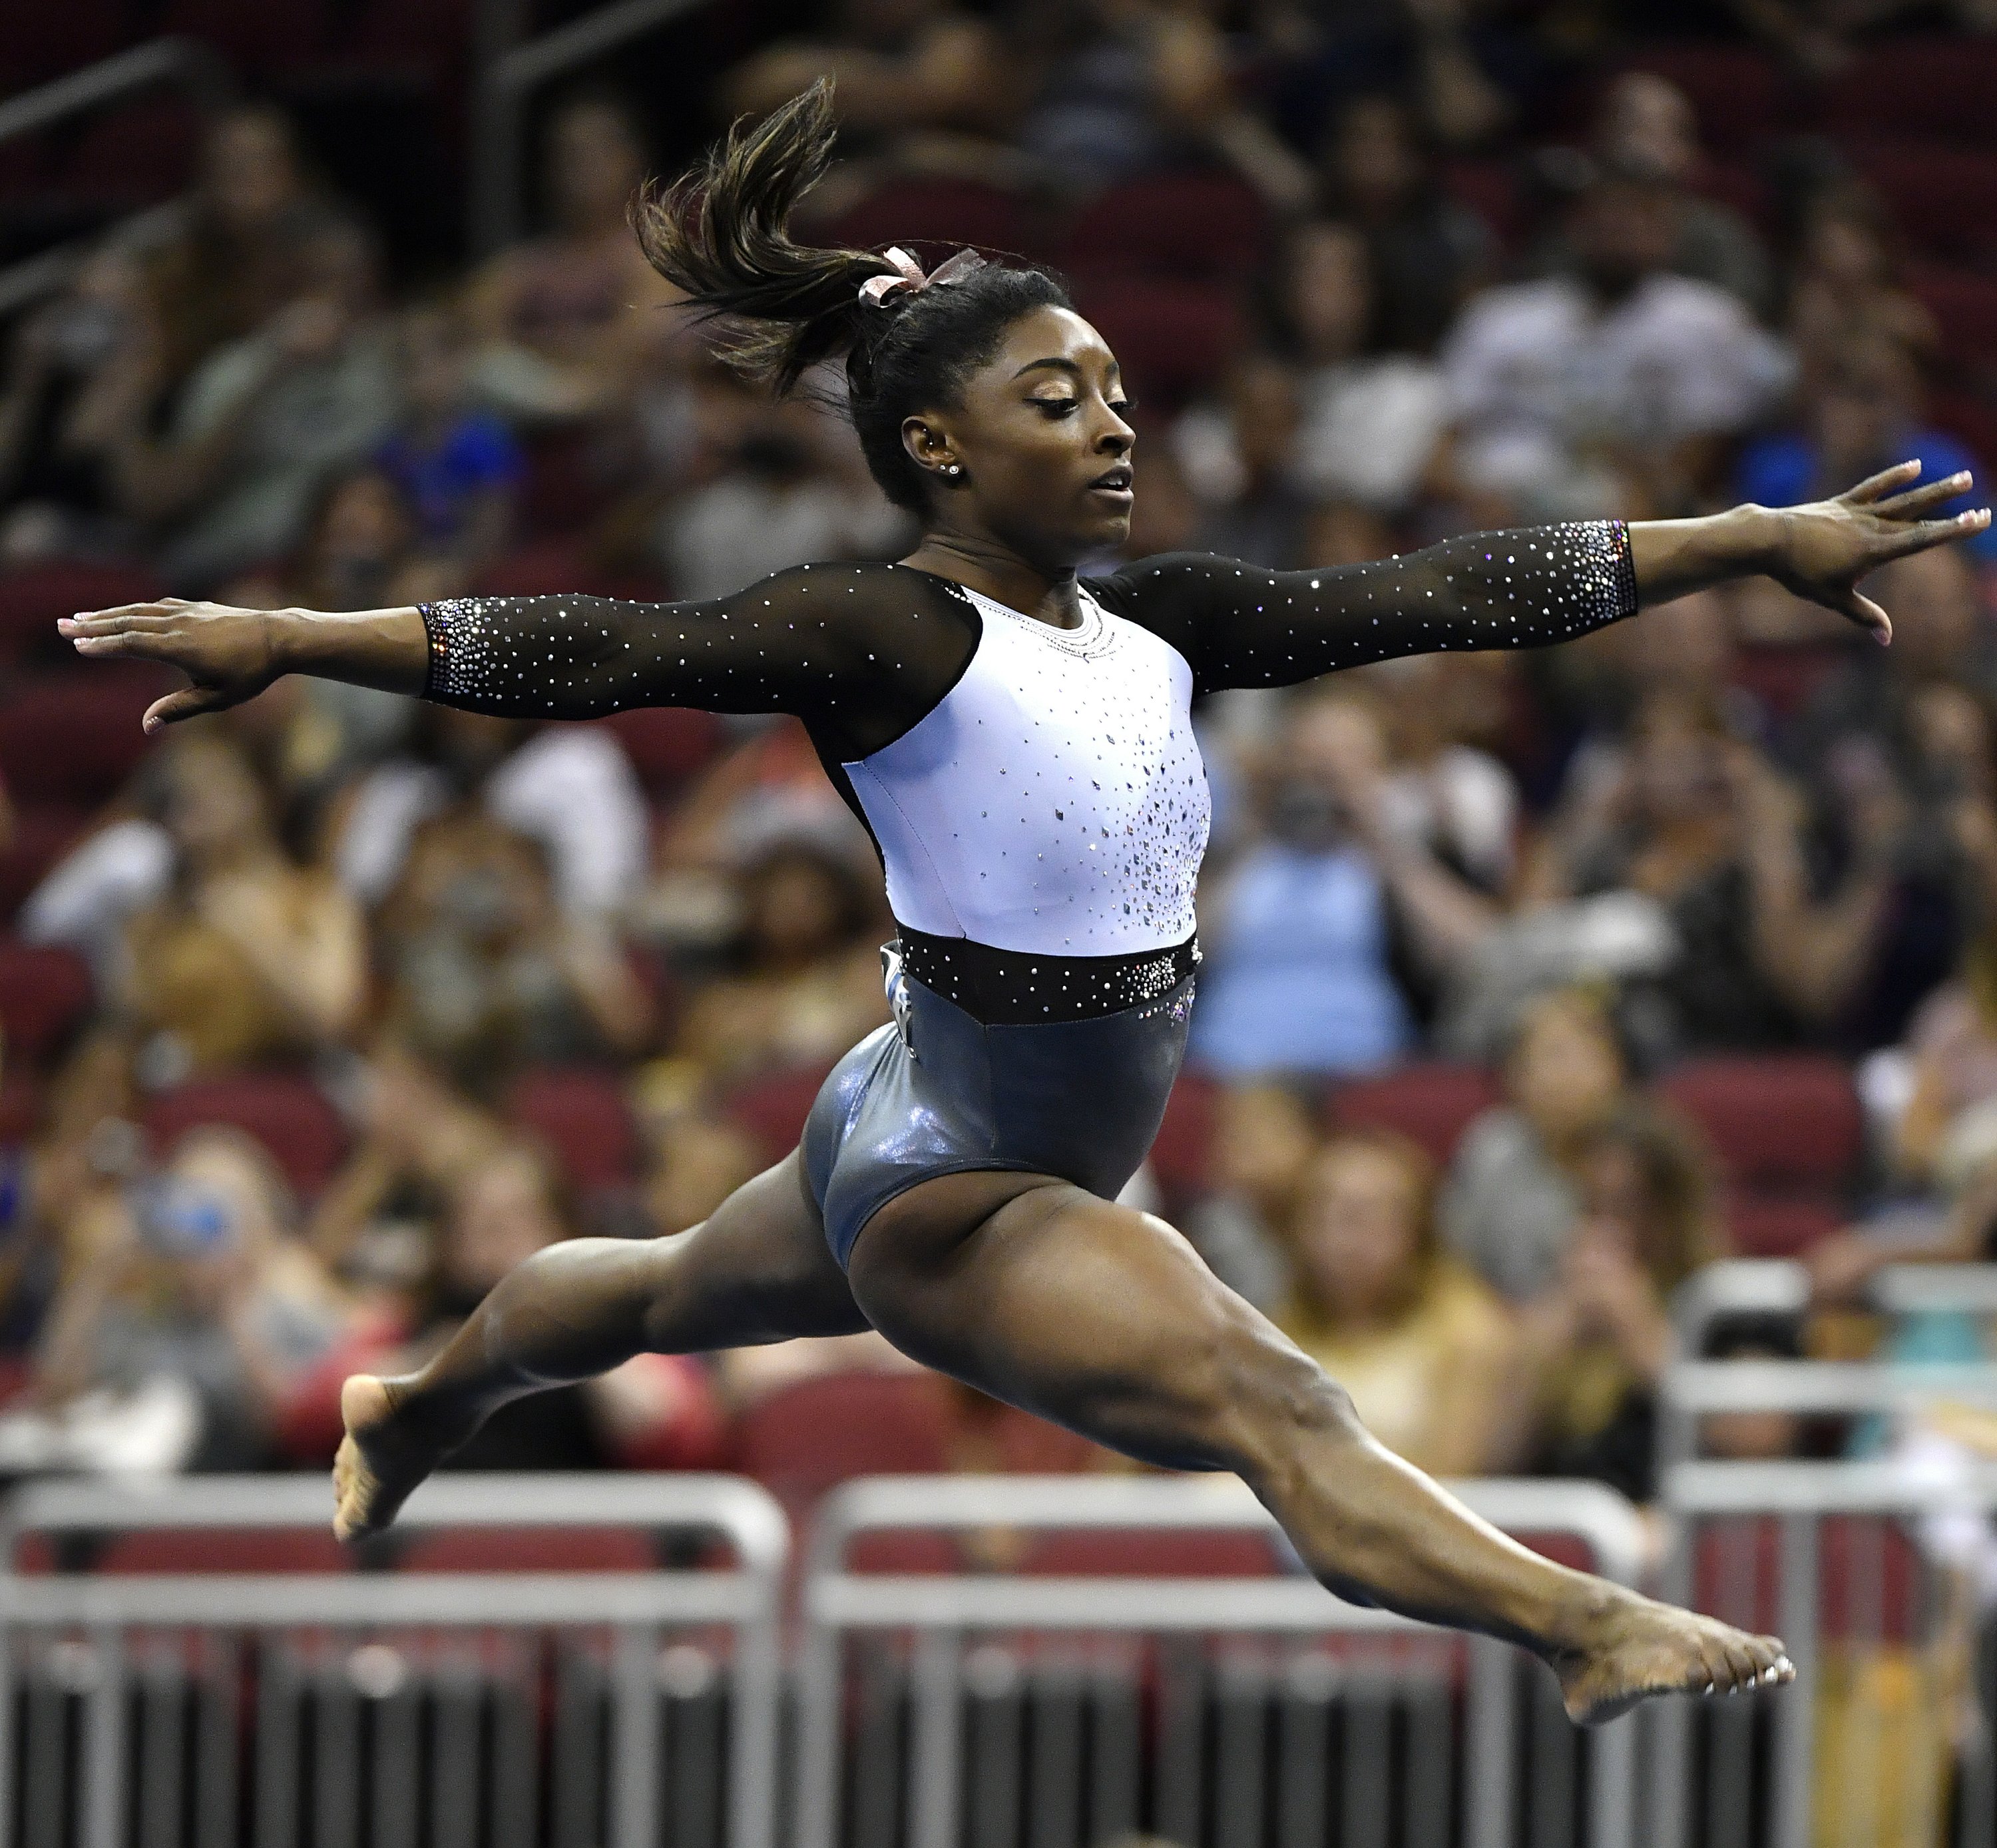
[1182,1156]
[1762,1226]
[933,218]
[1432,1104]
[1784,1121]
[1172,338]
[546,568]
[1205,225]
[1943,198]
[43,832]
[773,1110]
[288,1115]
[74,737]
[1142,1552]
[20,1108]
[529,1549]
[44,993]
[581,1113]
[1783,676]
[807,1438]
[177,1550]
[1869,1577]
[1935,87]
[668,745]
[929,1554]
[32,600]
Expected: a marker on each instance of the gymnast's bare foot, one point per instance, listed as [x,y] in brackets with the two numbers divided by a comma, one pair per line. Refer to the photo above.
[384,1455]
[1640,1647]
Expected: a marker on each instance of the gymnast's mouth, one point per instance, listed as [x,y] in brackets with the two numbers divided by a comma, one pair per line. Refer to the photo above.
[1115,481]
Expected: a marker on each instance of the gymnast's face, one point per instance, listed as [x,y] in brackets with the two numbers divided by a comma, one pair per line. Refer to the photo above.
[1040,443]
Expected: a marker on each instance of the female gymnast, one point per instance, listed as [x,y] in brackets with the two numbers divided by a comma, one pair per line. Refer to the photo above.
[1016,738]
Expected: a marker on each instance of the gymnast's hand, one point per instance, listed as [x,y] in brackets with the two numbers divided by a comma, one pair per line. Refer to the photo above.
[231,655]
[1817,551]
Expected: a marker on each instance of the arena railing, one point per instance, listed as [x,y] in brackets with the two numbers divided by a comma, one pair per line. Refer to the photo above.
[385,1707]
[510,71]
[1026,1695]
[1860,1749]
[160,61]
[1782,1287]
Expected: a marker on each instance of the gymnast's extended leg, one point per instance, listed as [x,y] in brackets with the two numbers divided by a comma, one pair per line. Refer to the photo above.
[756,1270]
[1107,1321]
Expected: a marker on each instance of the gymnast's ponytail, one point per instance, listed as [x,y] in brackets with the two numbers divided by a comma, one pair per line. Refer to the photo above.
[720,233]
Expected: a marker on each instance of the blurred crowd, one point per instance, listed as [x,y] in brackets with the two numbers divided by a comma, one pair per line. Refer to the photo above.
[373,999]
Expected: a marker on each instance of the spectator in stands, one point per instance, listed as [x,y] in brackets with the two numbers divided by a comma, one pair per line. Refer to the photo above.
[1612,389]
[1645,123]
[1597,1338]
[1265,1136]
[265,419]
[557,323]
[1843,284]
[190,1321]
[1860,412]
[656,1411]
[242,956]
[1701,825]
[1299,975]
[1424,1348]
[229,264]
[1512,1202]
[695,1158]
[80,369]
[1370,419]
[1428,250]
[485,972]
[805,979]
[457,463]
[920,83]
[1242,458]
[569,788]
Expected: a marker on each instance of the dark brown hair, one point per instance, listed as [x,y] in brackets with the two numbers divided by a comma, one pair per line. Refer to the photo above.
[720,233]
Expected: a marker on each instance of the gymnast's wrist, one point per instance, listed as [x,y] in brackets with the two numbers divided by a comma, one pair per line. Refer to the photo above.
[385,648]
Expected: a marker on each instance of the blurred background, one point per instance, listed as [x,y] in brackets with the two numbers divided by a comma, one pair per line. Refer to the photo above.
[1537,986]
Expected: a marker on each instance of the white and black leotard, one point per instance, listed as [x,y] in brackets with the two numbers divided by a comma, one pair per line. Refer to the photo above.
[1036,794]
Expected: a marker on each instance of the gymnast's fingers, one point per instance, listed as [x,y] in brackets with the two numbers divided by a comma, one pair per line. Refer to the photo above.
[1917,501]
[1873,487]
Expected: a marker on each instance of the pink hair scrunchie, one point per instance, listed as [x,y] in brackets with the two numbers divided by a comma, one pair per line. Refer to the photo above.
[952,269]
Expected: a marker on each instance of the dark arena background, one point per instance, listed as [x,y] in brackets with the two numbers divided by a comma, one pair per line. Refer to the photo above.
[1597,1062]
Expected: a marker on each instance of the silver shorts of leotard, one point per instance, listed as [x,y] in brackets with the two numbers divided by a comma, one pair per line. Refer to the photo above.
[939,1092]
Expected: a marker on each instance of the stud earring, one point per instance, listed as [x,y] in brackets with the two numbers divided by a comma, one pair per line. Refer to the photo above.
[953,468]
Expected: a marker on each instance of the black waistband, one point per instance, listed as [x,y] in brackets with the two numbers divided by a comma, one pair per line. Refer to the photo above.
[1006,987]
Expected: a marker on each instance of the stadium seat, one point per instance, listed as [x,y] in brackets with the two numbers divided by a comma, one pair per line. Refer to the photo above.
[529,1550]
[136,153]
[43,832]
[177,1550]
[1182,1156]
[1172,338]
[581,1113]
[928,1553]
[1782,1120]
[20,1107]
[1143,1553]
[31,600]
[1870,1577]
[1933,86]
[74,737]
[1782,677]
[807,1438]
[772,1109]
[44,993]
[1760,1226]
[668,745]
[546,568]
[1198,224]
[933,218]
[1942,198]
[1431,1103]
[288,1115]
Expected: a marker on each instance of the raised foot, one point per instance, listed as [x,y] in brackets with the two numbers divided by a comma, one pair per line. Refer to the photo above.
[1645,1648]
[382,1458]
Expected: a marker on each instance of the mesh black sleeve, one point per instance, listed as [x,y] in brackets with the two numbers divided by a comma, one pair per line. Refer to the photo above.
[859,652]
[1241,625]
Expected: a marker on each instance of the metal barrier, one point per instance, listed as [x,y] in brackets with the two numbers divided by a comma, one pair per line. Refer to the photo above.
[377,1708]
[1782,1287]
[1770,1521]
[1037,1730]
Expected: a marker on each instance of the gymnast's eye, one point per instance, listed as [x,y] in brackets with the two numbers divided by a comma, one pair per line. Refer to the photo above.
[1059,406]
[1120,406]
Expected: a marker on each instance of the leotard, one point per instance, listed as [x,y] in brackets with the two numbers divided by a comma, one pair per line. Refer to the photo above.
[1035,793]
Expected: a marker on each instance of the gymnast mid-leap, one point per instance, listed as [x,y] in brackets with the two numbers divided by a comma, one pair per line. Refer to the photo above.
[1018,741]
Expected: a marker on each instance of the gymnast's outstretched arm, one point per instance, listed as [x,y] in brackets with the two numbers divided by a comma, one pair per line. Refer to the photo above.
[1241,625]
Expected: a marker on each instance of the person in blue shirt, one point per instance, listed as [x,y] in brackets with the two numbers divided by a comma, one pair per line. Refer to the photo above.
[457,463]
